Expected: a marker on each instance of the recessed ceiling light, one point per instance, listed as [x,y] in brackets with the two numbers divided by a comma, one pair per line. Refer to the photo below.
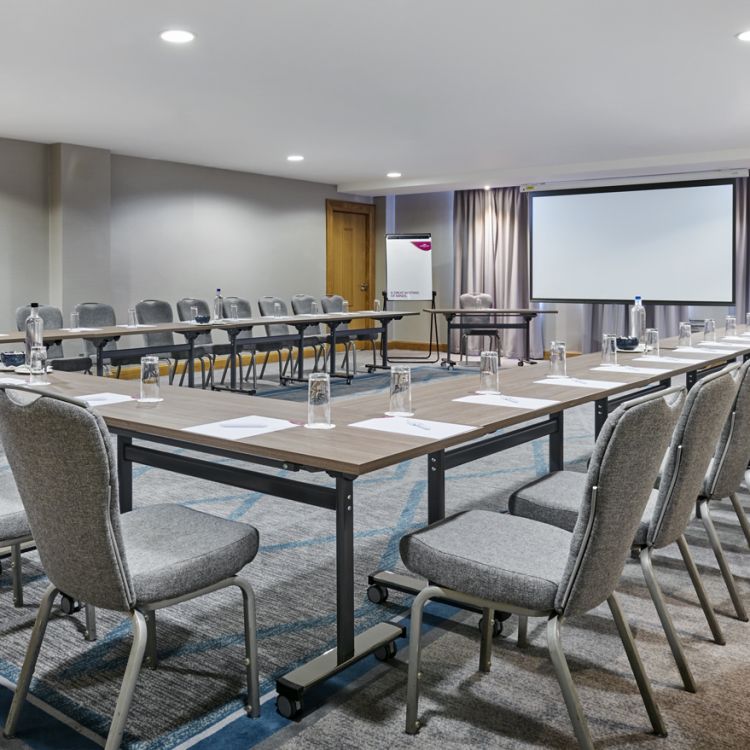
[486,187]
[744,36]
[295,157]
[393,175]
[177,36]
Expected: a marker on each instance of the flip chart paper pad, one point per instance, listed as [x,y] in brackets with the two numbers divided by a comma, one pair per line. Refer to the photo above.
[511,402]
[627,368]
[241,427]
[103,399]
[422,428]
[581,383]
[667,360]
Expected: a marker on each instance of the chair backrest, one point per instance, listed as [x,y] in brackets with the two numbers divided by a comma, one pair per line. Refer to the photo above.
[732,455]
[621,475]
[244,310]
[149,311]
[66,472]
[302,305]
[266,307]
[96,315]
[693,443]
[334,304]
[183,313]
[470,301]
[53,320]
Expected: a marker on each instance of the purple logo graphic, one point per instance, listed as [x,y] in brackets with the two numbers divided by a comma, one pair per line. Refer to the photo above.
[426,246]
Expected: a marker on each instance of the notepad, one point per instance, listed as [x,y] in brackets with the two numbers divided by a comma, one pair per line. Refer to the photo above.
[511,402]
[81,330]
[581,383]
[723,344]
[13,381]
[668,360]
[138,325]
[422,428]
[629,369]
[241,427]
[702,350]
[104,399]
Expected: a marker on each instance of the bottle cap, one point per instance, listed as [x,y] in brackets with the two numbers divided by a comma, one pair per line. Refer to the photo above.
[34,304]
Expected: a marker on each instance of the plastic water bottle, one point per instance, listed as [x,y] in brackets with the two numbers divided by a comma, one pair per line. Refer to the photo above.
[218,305]
[638,321]
[34,330]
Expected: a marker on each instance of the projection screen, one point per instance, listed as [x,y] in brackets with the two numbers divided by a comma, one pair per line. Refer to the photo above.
[672,243]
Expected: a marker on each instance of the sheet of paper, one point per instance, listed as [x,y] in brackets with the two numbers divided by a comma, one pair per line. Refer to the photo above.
[742,338]
[140,325]
[581,383]
[667,360]
[81,330]
[3,335]
[511,402]
[723,344]
[103,399]
[241,427]
[422,428]
[13,381]
[629,369]
[702,350]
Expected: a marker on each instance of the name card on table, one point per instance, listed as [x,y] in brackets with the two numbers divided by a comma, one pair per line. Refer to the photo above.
[581,383]
[241,427]
[633,370]
[423,428]
[511,402]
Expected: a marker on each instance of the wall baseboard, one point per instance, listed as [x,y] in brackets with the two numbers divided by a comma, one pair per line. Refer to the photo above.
[417,346]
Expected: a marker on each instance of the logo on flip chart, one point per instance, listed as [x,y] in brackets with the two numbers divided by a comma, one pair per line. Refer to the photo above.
[426,246]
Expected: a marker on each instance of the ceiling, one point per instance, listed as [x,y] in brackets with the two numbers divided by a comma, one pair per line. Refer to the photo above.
[451,93]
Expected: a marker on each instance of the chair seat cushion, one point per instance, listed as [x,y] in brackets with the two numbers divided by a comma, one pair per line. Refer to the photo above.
[554,499]
[172,550]
[491,555]
[13,522]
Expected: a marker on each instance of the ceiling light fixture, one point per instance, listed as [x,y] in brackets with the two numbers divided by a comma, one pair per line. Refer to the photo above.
[394,175]
[486,187]
[744,36]
[295,157]
[177,36]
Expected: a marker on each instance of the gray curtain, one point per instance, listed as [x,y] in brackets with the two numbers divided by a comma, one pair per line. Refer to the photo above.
[490,241]
[741,249]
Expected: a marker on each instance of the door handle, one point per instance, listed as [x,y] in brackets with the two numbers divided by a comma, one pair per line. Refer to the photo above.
[364,286]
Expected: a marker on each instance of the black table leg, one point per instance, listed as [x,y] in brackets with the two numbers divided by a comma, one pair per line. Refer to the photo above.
[124,474]
[233,362]
[100,357]
[332,326]
[556,442]
[344,569]
[435,487]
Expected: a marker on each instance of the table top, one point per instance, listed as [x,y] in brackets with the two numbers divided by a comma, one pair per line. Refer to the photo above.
[64,334]
[351,450]
[488,311]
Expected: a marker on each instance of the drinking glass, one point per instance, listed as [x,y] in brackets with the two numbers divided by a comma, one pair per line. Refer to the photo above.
[376,305]
[150,379]
[652,341]
[709,330]
[38,366]
[558,367]
[277,309]
[234,312]
[609,349]
[193,312]
[132,319]
[730,327]
[686,335]
[75,321]
[319,401]
[314,308]
[400,395]
[345,306]
[489,375]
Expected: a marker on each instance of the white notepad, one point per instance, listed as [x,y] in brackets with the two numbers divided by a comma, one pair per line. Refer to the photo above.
[702,350]
[13,381]
[241,427]
[723,344]
[629,369]
[422,428]
[668,360]
[81,330]
[581,383]
[104,399]
[511,402]
[138,325]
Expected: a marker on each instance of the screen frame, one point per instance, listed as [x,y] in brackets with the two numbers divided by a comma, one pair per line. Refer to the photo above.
[628,188]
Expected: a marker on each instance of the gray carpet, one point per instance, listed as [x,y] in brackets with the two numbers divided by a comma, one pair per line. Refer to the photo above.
[517,705]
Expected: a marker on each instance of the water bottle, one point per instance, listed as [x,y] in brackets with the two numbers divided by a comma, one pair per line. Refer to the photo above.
[218,305]
[638,321]
[34,330]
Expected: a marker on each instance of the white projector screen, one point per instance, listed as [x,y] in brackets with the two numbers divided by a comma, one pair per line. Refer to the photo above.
[670,243]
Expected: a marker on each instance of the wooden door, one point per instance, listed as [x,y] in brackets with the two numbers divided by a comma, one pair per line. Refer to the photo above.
[350,254]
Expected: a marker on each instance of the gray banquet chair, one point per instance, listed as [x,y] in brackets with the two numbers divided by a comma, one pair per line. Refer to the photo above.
[101,315]
[302,305]
[246,341]
[495,561]
[14,531]
[152,557]
[476,325]
[552,499]
[284,339]
[205,349]
[155,311]
[335,304]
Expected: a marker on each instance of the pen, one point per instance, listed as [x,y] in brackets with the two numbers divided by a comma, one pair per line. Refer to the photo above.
[418,424]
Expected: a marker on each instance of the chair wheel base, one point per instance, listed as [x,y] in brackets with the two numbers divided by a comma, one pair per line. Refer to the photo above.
[289,708]
[68,605]
[386,652]
[377,593]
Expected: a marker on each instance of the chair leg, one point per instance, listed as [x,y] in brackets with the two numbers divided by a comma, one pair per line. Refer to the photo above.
[263,369]
[89,612]
[15,551]
[523,630]
[251,649]
[152,656]
[700,591]
[666,620]
[740,511]
[29,662]
[570,694]
[485,649]
[721,559]
[374,353]
[415,648]
[132,670]
[644,685]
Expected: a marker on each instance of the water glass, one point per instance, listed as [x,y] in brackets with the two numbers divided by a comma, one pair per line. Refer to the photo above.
[277,309]
[150,379]
[132,319]
[314,308]
[345,306]
[400,394]
[558,367]
[609,349]
[193,312]
[709,330]
[234,312]
[75,321]
[489,374]
[38,366]
[730,327]
[376,305]
[686,335]
[319,401]
[652,341]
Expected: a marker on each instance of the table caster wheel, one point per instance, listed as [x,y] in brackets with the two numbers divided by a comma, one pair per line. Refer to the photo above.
[288,707]
[377,593]
[386,652]
[68,605]
[497,626]
[520,363]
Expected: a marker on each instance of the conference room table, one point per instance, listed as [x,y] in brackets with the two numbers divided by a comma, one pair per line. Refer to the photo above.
[531,406]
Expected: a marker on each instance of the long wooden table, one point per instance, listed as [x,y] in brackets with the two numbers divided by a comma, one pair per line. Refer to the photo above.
[346,453]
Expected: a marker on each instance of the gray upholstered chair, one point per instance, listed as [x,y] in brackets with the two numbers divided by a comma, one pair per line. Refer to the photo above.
[302,304]
[205,349]
[496,561]
[724,476]
[476,325]
[335,304]
[245,339]
[552,499]
[100,315]
[14,531]
[153,557]
[284,339]
[155,311]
